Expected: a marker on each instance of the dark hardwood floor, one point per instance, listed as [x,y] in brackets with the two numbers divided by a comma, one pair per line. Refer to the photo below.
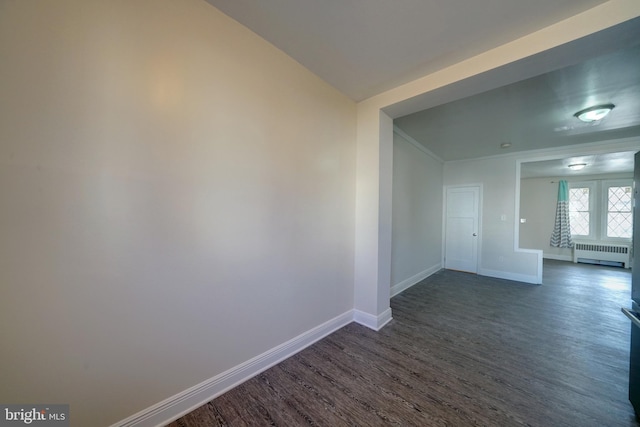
[461,350]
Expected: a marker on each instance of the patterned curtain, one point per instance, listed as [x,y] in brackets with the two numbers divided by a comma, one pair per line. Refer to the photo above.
[561,236]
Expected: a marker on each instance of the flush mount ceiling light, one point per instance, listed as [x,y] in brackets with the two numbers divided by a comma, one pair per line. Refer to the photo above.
[595,113]
[577,166]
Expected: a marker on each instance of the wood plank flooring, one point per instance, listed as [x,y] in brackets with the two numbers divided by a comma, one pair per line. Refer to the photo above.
[461,350]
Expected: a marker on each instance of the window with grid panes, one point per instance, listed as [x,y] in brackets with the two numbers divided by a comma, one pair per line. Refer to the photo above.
[619,214]
[579,212]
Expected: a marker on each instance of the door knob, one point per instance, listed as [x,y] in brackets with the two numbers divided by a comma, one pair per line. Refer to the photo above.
[475,234]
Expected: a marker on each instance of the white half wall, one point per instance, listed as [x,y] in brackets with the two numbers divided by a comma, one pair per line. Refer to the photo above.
[538,200]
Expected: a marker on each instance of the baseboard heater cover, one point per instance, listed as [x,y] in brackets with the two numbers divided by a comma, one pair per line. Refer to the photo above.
[602,253]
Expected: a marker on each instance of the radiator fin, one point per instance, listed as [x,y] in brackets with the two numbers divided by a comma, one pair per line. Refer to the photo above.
[602,252]
[602,248]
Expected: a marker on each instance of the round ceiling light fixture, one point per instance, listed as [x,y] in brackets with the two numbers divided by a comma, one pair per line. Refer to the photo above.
[595,113]
[577,166]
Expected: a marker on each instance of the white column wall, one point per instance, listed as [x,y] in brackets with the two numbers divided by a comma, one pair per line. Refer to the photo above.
[373,218]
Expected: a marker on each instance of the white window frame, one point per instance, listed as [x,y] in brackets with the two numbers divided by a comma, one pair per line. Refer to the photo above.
[605,207]
[593,214]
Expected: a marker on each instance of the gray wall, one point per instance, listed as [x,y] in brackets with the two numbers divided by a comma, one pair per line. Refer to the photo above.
[417,214]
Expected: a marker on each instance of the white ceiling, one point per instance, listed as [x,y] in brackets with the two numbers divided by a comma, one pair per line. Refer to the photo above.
[607,163]
[536,113]
[363,47]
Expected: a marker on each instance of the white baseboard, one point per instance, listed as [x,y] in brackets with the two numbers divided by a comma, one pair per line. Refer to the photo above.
[413,280]
[370,321]
[510,276]
[558,257]
[184,402]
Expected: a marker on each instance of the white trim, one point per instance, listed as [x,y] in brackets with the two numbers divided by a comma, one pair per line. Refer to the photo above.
[416,144]
[445,190]
[558,257]
[594,211]
[186,401]
[605,184]
[541,154]
[370,321]
[414,280]
[510,276]
[516,216]
[516,233]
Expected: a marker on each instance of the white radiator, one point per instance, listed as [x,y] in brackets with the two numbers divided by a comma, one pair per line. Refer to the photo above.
[602,252]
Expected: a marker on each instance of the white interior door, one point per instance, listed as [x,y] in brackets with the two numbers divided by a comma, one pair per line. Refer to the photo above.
[461,228]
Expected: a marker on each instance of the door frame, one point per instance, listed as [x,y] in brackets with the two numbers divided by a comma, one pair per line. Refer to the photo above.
[445,189]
